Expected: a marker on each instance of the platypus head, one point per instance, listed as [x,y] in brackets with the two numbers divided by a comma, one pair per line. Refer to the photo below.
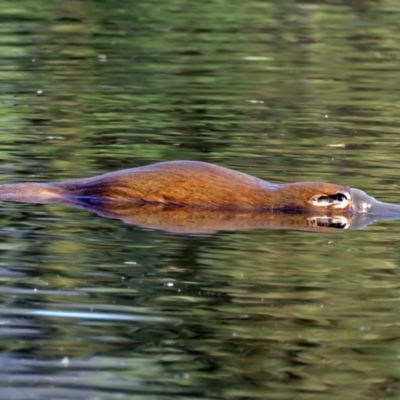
[344,199]
[317,197]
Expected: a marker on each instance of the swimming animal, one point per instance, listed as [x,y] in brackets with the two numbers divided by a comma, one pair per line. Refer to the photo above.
[199,185]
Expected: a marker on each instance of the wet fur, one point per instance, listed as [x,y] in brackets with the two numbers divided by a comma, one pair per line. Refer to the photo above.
[177,183]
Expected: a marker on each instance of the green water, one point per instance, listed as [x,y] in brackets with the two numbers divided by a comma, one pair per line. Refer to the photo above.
[94,308]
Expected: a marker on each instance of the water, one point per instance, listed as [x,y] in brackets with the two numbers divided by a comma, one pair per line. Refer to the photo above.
[94,308]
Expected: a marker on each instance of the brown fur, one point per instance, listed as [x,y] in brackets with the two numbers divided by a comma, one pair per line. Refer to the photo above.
[181,183]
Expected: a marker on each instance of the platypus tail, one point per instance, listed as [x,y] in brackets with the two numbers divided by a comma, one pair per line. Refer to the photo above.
[31,193]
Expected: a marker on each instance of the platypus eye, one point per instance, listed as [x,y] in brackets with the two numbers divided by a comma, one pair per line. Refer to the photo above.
[337,200]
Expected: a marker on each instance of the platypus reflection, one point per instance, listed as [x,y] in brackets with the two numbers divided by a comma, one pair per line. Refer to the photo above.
[199,185]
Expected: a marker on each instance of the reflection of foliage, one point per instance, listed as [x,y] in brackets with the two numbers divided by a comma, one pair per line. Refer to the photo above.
[264,86]
[143,81]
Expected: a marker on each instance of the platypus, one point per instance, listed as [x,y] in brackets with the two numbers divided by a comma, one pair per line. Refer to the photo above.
[199,185]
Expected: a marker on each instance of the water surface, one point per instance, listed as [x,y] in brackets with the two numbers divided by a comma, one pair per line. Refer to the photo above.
[93,308]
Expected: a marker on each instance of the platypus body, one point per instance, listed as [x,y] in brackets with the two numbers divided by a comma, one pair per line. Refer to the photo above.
[199,185]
